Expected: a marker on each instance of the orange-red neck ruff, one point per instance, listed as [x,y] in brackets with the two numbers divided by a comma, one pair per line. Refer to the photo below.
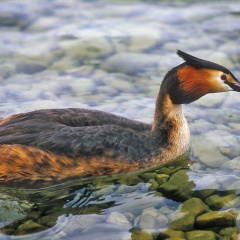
[195,81]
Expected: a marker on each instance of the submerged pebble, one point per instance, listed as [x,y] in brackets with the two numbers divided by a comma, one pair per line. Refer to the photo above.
[119,219]
[113,57]
[151,218]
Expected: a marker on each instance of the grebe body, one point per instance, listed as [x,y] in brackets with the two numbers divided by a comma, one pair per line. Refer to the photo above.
[54,145]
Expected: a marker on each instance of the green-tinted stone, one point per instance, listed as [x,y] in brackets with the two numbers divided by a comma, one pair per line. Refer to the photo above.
[195,206]
[161,178]
[147,176]
[7,231]
[92,209]
[178,187]
[204,193]
[29,227]
[165,170]
[34,215]
[104,189]
[154,185]
[169,170]
[173,238]
[170,234]
[130,180]
[48,220]
[217,202]
[158,194]
[216,219]
[87,49]
[230,231]
[53,210]
[185,223]
[140,235]
[174,166]
[200,235]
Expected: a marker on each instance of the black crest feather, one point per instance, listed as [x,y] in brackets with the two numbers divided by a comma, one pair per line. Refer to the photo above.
[200,63]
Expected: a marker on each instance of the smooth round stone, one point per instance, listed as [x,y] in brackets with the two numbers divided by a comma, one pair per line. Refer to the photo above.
[205,182]
[199,41]
[232,101]
[196,14]
[44,24]
[48,220]
[147,176]
[129,216]
[227,179]
[151,218]
[232,232]
[232,49]
[14,15]
[178,186]
[196,167]
[119,219]
[7,70]
[171,234]
[100,231]
[80,86]
[130,63]
[230,152]
[210,101]
[216,219]
[194,206]
[119,84]
[63,64]
[137,234]
[204,193]
[30,67]
[206,148]
[233,185]
[170,46]
[29,227]
[165,210]
[174,215]
[232,165]
[107,189]
[183,222]
[216,202]
[221,58]
[201,126]
[87,48]
[162,178]
[223,128]
[138,201]
[143,38]
[81,221]
[201,235]
[130,180]
[234,126]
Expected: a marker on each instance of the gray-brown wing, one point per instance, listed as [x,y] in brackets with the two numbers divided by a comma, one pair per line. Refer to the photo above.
[82,141]
[75,117]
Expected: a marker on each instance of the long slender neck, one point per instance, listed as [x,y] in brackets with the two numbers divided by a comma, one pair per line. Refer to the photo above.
[170,127]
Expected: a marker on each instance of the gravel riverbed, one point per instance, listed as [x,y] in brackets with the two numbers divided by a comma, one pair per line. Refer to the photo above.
[112,56]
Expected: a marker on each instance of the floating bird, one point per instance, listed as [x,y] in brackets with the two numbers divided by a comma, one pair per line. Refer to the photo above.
[50,146]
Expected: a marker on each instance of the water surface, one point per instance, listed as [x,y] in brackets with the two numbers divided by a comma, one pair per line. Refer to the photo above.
[112,56]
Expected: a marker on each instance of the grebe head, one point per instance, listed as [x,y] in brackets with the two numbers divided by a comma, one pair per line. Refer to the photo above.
[195,78]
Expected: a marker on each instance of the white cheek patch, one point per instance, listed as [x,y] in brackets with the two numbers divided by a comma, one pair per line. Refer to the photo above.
[227,87]
[221,86]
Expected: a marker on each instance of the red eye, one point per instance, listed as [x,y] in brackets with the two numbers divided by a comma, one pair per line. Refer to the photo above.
[224,77]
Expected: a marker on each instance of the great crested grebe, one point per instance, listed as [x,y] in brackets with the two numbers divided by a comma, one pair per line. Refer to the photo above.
[54,145]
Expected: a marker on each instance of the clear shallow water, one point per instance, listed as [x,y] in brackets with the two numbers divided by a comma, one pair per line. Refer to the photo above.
[112,57]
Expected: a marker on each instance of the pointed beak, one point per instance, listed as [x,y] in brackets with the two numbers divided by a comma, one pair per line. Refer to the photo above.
[235,86]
